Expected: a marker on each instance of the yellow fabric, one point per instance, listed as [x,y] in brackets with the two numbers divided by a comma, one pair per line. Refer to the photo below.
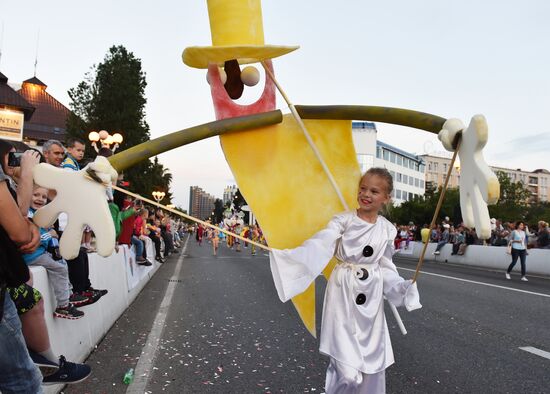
[236,22]
[286,187]
[199,57]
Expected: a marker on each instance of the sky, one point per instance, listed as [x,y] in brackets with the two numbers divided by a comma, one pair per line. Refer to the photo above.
[448,58]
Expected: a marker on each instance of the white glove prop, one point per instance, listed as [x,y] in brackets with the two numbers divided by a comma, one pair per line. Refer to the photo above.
[83,200]
[412,297]
[478,184]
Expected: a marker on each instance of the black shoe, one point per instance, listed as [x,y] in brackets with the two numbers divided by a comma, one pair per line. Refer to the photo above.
[68,373]
[78,299]
[160,260]
[45,366]
[145,263]
[68,312]
[101,292]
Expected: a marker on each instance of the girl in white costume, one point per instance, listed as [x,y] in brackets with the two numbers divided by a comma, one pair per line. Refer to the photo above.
[354,333]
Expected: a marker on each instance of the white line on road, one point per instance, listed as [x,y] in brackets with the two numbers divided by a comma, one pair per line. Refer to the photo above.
[478,283]
[536,351]
[144,367]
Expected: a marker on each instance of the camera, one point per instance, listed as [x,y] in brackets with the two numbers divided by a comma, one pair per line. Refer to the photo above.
[14,159]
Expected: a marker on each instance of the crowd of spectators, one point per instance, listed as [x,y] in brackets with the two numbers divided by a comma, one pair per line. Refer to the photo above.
[27,360]
[460,236]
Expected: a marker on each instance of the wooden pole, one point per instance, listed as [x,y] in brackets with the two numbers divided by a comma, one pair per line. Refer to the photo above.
[175,212]
[436,213]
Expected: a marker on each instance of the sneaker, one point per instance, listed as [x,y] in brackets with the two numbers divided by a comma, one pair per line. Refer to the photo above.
[507,276]
[68,312]
[437,252]
[140,259]
[45,366]
[93,297]
[68,373]
[102,292]
[523,278]
[145,263]
[78,299]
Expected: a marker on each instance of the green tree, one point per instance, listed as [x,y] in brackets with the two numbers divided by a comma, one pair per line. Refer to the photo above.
[218,210]
[112,97]
[421,209]
[514,200]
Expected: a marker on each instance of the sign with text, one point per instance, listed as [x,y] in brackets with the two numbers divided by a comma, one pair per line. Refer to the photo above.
[11,125]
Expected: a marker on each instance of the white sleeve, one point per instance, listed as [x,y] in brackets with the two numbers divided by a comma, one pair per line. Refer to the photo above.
[293,270]
[398,291]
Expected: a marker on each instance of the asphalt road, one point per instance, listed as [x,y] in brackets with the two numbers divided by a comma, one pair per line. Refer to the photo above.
[224,331]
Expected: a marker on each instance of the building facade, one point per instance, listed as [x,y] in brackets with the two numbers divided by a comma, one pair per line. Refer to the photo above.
[228,193]
[201,204]
[406,168]
[537,182]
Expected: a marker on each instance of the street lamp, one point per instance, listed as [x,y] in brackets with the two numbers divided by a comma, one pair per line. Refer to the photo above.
[106,140]
[158,196]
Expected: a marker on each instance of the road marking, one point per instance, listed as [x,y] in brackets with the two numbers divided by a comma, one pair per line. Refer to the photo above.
[478,283]
[144,367]
[536,351]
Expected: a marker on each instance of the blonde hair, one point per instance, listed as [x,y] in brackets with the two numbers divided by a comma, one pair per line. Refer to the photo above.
[382,173]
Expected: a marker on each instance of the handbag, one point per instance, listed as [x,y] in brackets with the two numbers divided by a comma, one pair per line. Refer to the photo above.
[509,248]
[13,270]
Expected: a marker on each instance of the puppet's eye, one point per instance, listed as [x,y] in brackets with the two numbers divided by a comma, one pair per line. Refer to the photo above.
[250,76]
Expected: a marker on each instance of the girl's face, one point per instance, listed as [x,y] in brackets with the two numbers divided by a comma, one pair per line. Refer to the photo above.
[521,226]
[39,197]
[373,193]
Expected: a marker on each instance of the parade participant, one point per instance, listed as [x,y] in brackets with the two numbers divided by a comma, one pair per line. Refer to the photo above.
[215,241]
[354,333]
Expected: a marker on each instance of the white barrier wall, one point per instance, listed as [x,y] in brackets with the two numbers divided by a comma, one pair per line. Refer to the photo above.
[75,339]
[492,257]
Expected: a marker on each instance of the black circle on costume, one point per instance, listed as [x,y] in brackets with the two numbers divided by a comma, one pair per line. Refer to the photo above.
[364,274]
[361,298]
[368,251]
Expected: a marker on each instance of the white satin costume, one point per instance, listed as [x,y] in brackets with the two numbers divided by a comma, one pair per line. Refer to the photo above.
[354,333]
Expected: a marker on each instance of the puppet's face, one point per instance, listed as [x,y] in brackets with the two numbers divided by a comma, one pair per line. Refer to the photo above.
[228,84]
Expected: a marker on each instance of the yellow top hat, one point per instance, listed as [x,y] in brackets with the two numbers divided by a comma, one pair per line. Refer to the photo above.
[237,33]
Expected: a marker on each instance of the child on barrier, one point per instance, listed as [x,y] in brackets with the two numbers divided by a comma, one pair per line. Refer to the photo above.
[354,332]
[58,274]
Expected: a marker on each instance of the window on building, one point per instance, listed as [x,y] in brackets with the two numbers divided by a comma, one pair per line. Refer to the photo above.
[405,162]
[398,194]
[400,160]
[411,164]
[404,195]
[386,155]
[435,167]
[405,179]
[444,167]
[378,152]
[392,173]
[422,168]
[421,184]
[392,157]
[411,180]
[429,166]
[416,182]
[398,177]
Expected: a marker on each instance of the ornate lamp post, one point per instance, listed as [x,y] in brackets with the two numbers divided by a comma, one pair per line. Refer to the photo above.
[158,196]
[105,139]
